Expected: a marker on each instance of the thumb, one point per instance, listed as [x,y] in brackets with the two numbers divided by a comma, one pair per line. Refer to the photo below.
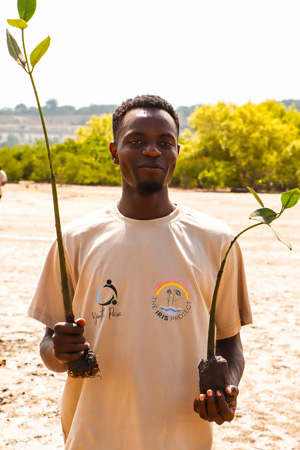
[232,390]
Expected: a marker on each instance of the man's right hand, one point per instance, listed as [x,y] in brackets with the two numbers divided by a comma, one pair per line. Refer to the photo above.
[69,343]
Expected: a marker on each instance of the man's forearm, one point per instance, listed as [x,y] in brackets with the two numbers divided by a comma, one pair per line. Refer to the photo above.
[231,349]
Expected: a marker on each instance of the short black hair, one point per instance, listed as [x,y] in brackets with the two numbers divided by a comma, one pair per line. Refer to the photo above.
[142,101]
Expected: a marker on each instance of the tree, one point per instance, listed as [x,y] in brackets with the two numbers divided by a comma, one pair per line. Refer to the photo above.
[10,164]
[51,106]
[235,146]
[21,109]
[94,139]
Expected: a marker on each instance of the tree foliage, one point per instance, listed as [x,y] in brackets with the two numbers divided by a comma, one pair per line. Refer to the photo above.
[225,146]
[232,146]
[85,160]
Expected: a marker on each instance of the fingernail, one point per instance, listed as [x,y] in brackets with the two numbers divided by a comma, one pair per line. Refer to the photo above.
[219,393]
[209,392]
[202,397]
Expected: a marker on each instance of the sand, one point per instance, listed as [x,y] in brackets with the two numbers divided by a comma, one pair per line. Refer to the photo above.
[268,412]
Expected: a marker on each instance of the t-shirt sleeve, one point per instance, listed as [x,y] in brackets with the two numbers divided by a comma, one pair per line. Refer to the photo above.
[233,307]
[47,302]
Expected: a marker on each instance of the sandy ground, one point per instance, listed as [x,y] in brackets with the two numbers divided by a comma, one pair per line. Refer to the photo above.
[268,415]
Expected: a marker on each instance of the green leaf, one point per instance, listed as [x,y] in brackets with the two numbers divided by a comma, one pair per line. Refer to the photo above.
[255,195]
[26,9]
[281,238]
[18,23]
[39,51]
[14,50]
[264,215]
[290,198]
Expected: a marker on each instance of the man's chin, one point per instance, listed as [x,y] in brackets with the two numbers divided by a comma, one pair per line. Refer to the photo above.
[149,187]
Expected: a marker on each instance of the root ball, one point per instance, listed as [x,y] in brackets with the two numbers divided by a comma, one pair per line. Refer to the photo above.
[213,374]
[84,367]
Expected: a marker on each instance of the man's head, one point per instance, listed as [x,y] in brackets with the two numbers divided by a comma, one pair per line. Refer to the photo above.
[146,143]
[142,101]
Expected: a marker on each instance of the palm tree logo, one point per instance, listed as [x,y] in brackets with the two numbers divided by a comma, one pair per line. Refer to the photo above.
[175,297]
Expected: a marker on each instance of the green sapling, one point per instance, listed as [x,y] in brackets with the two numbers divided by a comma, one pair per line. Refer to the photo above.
[213,371]
[87,365]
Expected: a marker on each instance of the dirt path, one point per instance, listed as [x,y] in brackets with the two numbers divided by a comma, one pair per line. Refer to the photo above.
[268,416]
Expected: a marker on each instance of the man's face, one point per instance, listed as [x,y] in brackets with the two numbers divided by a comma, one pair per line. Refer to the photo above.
[146,150]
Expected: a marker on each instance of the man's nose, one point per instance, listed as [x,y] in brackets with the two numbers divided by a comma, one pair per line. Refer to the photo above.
[151,149]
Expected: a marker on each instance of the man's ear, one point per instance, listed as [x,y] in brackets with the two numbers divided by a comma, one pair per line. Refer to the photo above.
[114,152]
[178,149]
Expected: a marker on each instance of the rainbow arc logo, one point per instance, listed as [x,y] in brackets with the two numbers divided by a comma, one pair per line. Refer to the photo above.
[172,298]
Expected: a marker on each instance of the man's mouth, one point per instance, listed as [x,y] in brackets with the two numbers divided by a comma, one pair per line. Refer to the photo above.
[150,167]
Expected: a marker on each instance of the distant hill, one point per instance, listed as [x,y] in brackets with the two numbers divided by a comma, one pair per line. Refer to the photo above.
[22,124]
[291,102]
[52,109]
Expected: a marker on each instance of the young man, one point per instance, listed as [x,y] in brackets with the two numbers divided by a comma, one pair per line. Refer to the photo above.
[141,274]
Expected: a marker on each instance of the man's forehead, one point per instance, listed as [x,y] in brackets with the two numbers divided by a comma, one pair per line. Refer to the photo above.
[143,116]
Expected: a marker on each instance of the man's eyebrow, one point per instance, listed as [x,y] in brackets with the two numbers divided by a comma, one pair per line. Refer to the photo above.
[166,135]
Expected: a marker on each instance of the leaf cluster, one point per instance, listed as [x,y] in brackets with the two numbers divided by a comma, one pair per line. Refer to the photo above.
[26,9]
[267,216]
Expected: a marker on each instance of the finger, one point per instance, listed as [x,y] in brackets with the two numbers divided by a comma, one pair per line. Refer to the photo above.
[68,357]
[211,406]
[200,406]
[199,403]
[70,348]
[63,338]
[195,405]
[225,411]
[68,328]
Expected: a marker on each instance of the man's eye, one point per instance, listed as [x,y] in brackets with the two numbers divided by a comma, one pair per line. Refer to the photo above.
[166,144]
[136,142]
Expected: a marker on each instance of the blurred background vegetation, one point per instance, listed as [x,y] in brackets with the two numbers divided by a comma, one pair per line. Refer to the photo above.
[222,146]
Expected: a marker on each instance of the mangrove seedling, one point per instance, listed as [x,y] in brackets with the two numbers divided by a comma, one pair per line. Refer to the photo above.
[87,365]
[213,371]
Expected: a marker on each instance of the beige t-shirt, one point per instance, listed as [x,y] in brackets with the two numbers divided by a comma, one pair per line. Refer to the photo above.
[144,288]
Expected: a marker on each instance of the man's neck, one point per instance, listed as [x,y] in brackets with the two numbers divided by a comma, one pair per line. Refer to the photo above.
[145,207]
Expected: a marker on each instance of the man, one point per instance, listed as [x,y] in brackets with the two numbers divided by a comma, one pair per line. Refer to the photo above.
[3,180]
[141,274]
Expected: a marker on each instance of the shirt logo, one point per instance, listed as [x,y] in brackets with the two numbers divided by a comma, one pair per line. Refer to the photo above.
[111,292]
[171,299]
[107,299]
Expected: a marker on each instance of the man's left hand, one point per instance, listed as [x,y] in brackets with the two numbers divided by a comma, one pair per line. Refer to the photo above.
[213,406]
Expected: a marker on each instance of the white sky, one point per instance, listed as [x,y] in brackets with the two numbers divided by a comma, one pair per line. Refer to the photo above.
[187,51]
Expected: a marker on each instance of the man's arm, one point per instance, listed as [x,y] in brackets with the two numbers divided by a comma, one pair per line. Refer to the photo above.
[213,406]
[232,350]
[64,344]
